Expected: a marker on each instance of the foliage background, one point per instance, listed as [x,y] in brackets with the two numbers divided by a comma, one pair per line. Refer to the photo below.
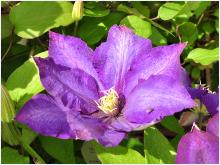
[24,33]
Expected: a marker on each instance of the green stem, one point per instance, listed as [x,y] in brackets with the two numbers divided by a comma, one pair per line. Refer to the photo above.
[200,120]
[200,19]
[10,45]
[75,29]
[145,150]
[200,116]
[33,153]
[208,76]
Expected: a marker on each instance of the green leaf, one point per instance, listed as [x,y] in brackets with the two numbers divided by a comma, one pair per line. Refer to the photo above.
[157,148]
[23,88]
[91,4]
[6,27]
[133,11]
[11,156]
[216,12]
[204,56]
[7,106]
[95,9]
[195,73]
[185,12]
[175,141]
[208,27]
[169,10]
[193,5]
[96,13]
[157,38]
[140,27]
[172,124]
[158,26]
[89,153]
[215,76]
[129,10]
[188,32]
[183,15]
[13,60]
[144,10]
[133,143]
[217,25]
[32,19]
[4,3]
[92,30]
[10,133]
[28,136]
[202,7]
[60,149]
[118,155]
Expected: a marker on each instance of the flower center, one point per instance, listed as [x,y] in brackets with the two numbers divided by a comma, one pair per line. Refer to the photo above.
[109,103]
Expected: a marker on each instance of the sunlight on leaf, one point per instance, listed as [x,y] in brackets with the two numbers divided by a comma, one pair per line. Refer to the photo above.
[23,88]
[32,19]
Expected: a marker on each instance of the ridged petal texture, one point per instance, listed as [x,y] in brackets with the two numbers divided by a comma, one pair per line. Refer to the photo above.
[149,81]
[199,147]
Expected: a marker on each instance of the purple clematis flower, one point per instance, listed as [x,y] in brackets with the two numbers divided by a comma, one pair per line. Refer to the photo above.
[198,147]
[206,97]
[123,85]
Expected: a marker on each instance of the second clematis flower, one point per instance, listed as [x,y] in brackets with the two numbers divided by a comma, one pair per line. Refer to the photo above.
[124,84]
[200,147]
[205,96]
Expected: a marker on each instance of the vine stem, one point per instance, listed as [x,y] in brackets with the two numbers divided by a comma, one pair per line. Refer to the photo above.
[75,28]
[208,76]
[200,120]
[200,19]
[177,32]
[155,18]
[10,45]
[200,116]
[33,153]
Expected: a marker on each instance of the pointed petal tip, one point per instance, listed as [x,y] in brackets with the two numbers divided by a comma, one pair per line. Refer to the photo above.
[180,47]
[42,63]
[185,43]
[121,28]
[195,128]
[111,138]
[160,92]
[201,148]
[213,125]
[37,60]
[19,118]
[53,34]
[42,115]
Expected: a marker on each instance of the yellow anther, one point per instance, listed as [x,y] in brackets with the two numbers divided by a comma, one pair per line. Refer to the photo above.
[109,102]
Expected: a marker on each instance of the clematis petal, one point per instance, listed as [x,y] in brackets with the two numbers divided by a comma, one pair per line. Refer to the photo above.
[197,93]
[111,138]
[184,78]
[68,85]
[198,147]
[84,127]
[211,101]
[163,60]
[122,124]
[213,125]
[43,115]
[155,98]
[113,58]
[71,52]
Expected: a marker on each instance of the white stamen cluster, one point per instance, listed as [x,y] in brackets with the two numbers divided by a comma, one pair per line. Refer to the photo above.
[109,102]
